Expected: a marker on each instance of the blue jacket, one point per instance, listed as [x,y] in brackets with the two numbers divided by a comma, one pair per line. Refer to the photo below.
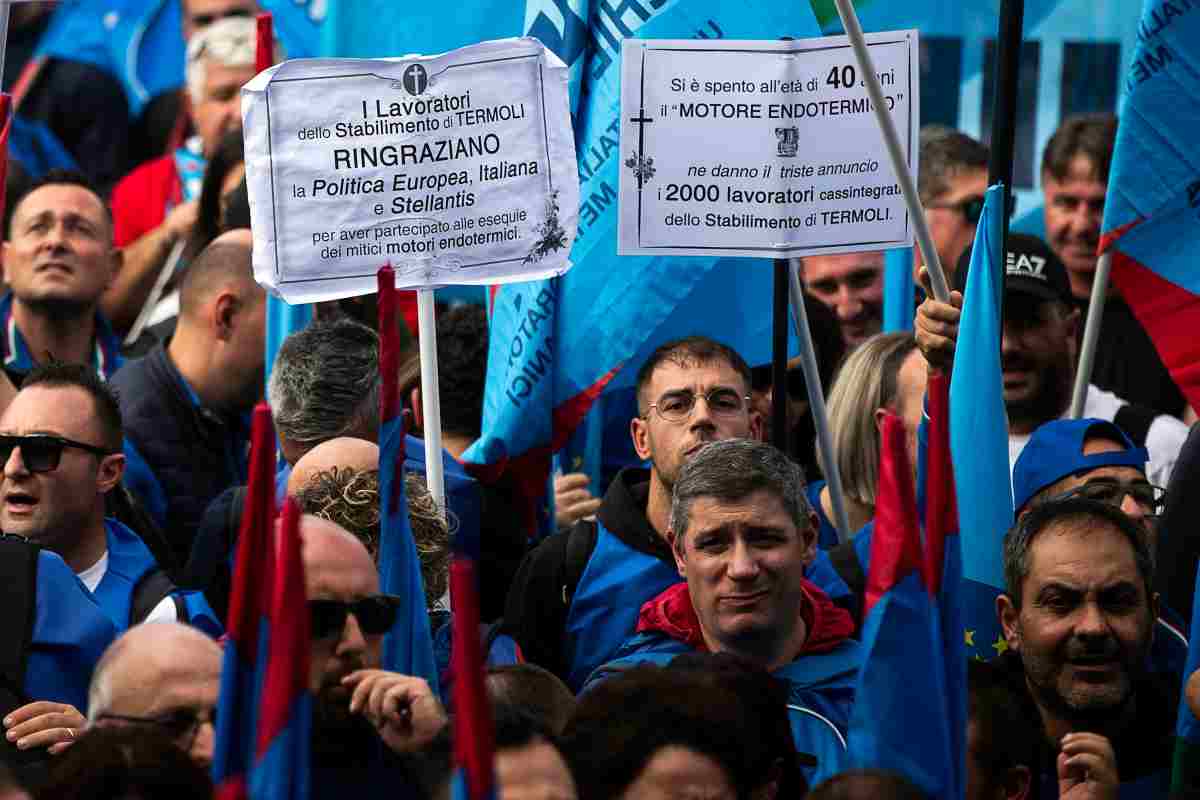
[70,633]
[820,683]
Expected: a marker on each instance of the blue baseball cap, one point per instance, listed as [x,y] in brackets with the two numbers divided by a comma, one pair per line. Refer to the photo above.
[1055,450]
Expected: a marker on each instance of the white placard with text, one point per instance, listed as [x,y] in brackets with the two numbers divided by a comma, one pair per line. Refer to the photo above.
[766,149]
[456,169]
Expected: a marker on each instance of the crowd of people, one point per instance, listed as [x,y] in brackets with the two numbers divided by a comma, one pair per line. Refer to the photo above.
[694,631]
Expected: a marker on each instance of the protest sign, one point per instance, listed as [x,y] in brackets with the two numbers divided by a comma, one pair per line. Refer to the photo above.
[761,148]
[457,168]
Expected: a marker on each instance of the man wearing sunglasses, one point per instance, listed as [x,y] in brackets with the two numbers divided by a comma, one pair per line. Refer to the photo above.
[951,183]
[362,715]
[164,677]
[1095,460]
[60,446]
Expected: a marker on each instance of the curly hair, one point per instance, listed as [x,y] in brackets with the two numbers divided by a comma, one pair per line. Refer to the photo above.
[350,498]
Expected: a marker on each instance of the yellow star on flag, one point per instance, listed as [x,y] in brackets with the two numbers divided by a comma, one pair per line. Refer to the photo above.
[1000,645]
[970,637]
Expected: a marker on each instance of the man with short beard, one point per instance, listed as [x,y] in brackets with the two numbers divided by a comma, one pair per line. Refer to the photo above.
[1078,614]
[364,718]
[1038,351]
[58,260]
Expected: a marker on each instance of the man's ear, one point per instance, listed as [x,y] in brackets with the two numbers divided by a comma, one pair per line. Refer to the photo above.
[225,310]
[1008,614]
[757,428]
[809,537]
[4,262]
[677,551]
[639,431]
[116,260]
[109,472]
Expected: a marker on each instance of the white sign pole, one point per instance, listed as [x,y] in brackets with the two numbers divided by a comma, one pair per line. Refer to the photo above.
[854,32]
[816,401]
[431,404]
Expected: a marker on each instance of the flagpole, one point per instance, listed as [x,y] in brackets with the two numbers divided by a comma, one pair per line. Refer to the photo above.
[1091,334]
[779,322]
[431,405]
[1004,112]
[891,139]
[816,402]
[5,8]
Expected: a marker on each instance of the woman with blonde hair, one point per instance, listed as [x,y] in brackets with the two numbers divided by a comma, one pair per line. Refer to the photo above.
[885,373]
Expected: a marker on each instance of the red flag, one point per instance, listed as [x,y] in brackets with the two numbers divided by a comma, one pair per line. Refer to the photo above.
[281,763]
[264,53]
[6,121]
[249,604]
[474,737]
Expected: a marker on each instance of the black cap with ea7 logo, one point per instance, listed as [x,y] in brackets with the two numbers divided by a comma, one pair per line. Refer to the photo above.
[1030,267]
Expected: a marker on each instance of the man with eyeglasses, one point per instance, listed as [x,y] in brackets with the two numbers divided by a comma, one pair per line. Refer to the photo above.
[60,445]
[162,676]
[1038,351]
[362,716]
[576,596]
[1095,460]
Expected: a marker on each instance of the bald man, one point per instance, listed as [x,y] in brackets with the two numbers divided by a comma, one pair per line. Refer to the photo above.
[362,715]
[344,452]
[164,676]
[185,404]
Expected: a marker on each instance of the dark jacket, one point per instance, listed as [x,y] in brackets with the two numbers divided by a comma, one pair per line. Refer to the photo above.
[541,593]
[1144,749]
[193,453]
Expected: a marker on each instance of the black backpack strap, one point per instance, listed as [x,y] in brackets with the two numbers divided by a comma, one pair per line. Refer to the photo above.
[18,599]
[581,541]
[151,590]
[128,509]
[845,562]
[1135,420]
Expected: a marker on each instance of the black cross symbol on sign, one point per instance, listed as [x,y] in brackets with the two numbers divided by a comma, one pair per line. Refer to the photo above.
[642,121]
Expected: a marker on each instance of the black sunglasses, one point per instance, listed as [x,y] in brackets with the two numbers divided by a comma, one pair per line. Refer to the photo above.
[972,207]
[181,725]
[375,615]
[42,452]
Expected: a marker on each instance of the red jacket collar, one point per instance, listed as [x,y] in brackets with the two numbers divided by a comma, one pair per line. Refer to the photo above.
[671,613]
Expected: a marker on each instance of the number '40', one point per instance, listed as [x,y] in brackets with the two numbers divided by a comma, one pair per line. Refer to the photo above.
[841,77]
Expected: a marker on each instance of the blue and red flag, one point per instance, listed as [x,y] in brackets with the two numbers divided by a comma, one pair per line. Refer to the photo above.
[246,645]
[474,735]
[556,345]
[408,647]
[979,435]
[1152,209]
[901,675]
[281,762]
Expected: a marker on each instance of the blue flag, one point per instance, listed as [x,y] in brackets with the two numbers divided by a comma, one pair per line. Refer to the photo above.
[408,647]
[383,28]
[557,345]
[979,434]
[899,293]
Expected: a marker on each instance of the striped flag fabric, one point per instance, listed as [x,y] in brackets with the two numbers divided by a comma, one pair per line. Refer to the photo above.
[281,762]
[474,735]
[246,643]
[1152,209]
